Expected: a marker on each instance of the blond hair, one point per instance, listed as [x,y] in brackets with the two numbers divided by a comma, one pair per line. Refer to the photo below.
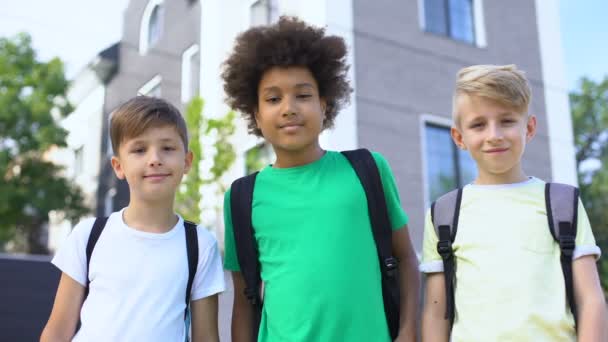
[140,113]
[503,84]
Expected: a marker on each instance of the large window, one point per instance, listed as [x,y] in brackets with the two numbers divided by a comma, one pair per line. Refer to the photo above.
[447,167]
[190,73]
[151,27]
[451,18]
[264,12]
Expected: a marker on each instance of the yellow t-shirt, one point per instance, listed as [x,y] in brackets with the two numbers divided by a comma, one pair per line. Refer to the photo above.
[509,281]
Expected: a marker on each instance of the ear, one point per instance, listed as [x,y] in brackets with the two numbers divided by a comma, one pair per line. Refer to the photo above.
[323,106]
[457,137]
[256,117]
[188,161]
[530,128]
[115,161]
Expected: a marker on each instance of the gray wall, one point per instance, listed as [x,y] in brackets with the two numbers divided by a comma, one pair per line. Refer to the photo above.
[181,30]
[403,72]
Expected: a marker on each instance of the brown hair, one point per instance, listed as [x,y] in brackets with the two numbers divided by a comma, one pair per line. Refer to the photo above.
[503,84]
[290,42]
[140,113]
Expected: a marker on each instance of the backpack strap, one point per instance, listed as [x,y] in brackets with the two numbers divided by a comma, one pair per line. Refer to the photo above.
[366,169]
[192,252]
[241,200]
[561,202]
[444,214]
[98,226]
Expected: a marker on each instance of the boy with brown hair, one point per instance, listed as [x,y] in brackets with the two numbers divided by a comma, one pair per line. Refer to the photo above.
[309,213]
[126,277]
[494,269]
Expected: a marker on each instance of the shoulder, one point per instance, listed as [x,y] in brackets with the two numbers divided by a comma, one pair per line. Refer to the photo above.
[82,229]
[206,239]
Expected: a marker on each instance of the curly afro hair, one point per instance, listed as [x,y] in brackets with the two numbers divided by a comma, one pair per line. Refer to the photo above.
[290,42]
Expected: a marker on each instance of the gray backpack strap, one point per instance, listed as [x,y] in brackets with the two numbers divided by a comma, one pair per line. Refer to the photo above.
[444,214]
[561,202]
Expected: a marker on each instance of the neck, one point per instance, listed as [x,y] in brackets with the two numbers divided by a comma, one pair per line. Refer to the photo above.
[515,175]
[154,217]
[301,157]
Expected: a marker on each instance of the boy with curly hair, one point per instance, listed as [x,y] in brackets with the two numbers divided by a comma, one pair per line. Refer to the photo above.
[322,278]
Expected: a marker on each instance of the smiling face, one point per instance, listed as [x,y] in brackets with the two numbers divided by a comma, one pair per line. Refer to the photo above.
[495,136]
[153,163]
[290,111]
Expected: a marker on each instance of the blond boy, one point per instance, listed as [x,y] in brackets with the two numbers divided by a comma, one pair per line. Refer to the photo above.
[509,284]
[138,272]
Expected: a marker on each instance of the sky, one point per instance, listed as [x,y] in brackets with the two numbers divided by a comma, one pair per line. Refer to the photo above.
[76,30]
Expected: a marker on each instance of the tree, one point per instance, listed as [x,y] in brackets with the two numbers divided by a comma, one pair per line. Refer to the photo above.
[590,124]
[220,130]
[32,97]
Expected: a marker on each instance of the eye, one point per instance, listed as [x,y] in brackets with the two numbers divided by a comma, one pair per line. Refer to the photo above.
[304,96]
[476,125]
[273,99]
[508,121]
[138,150]
[169,148]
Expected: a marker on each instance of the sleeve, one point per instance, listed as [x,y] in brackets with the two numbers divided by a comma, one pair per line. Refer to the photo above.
[396,214]
[209,278]
[231,261]
[71,258]
[585,242]
[431,260]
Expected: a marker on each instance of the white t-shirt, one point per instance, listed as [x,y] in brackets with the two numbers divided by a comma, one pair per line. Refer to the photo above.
[138,280]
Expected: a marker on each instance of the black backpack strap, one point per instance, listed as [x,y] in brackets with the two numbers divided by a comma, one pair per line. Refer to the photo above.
[98,227]
[192,252]
[241,200]
[444,214]
[562,212]
[366,169]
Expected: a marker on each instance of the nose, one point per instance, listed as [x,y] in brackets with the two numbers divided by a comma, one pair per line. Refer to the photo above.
[495,133]
[289,107]
[154,157]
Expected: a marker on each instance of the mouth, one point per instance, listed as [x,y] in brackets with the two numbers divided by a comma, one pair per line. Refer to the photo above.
[156,176]
[496,150]
[291,127]
[291,124]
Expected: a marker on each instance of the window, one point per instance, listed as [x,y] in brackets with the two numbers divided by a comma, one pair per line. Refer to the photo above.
[190,73]
[264,12]
[152,87]
[152,23]
[257,157]
[447,167]
[451,18]
[78,160]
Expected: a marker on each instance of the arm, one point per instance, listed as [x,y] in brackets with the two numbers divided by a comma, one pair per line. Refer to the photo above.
[66,311]
[204,320]
[409,283]
[434,325]
[242,311]
[590,302]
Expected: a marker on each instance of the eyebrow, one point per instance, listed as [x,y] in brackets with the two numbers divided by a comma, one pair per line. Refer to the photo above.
[299,85]
[141,141]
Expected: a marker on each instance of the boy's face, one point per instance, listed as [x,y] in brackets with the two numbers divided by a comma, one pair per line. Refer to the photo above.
[290,112]
[494,135]
[153,163]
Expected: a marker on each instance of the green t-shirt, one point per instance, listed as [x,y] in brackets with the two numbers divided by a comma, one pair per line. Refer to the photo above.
[317,253]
